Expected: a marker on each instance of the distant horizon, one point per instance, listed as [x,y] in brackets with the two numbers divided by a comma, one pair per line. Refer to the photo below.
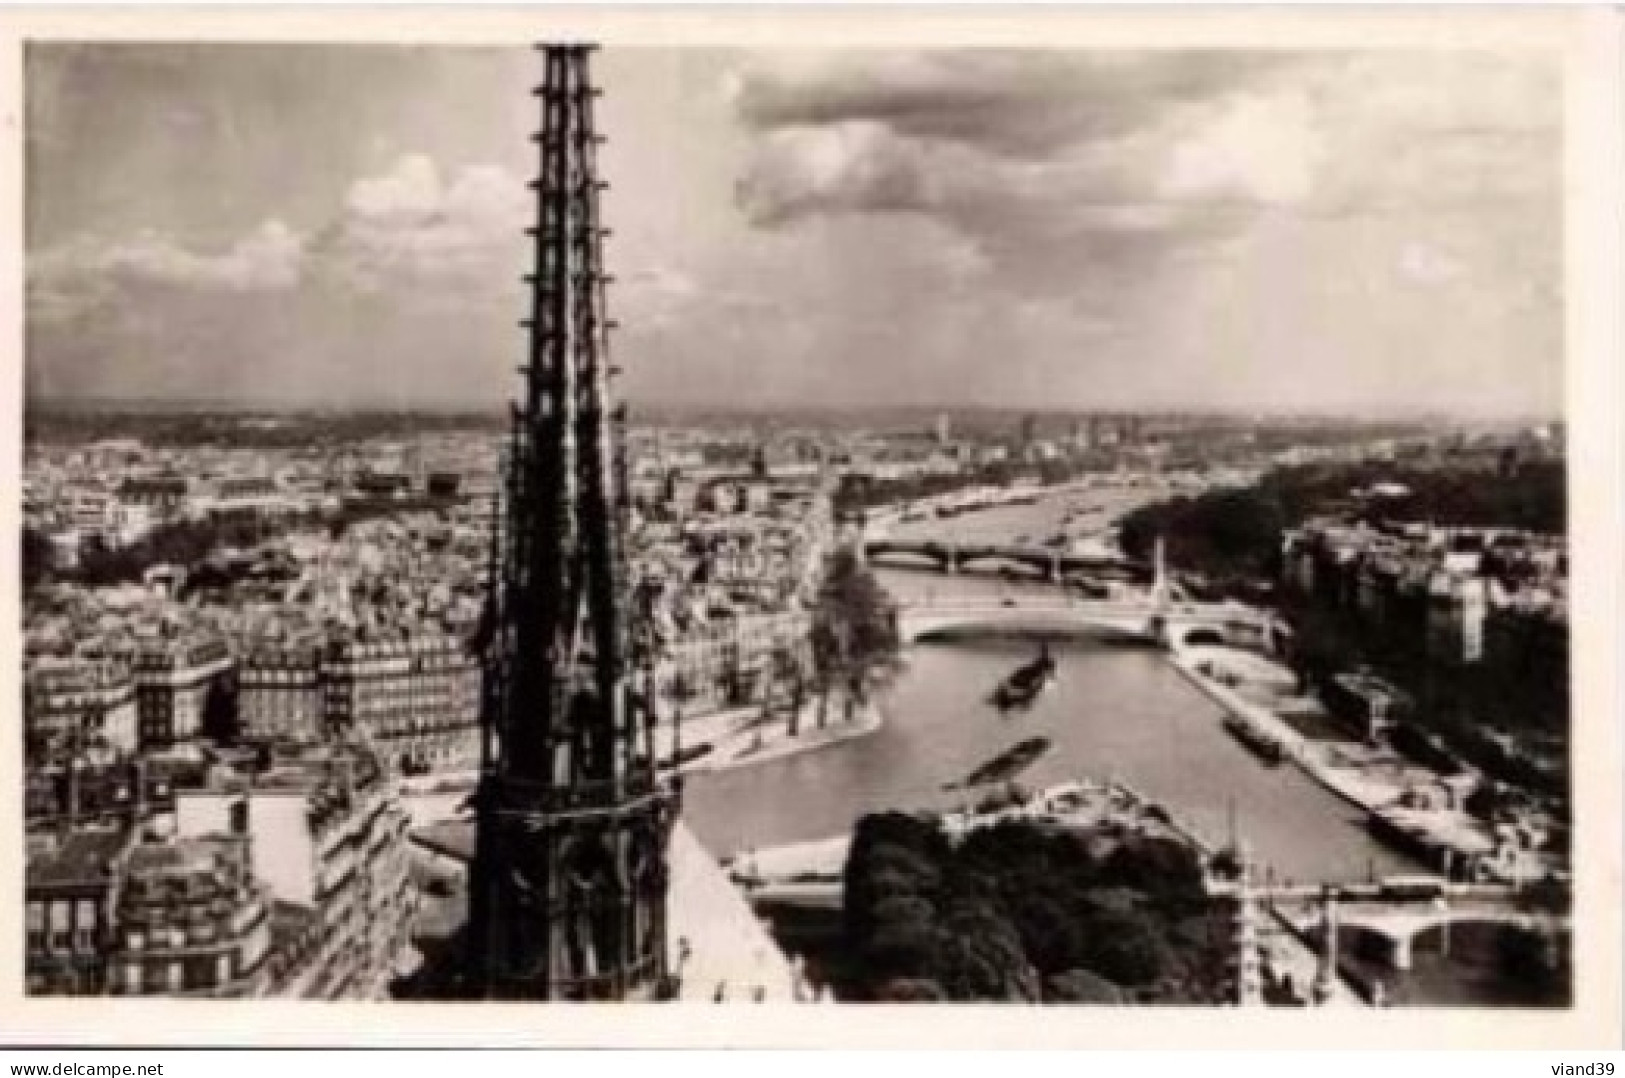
[923,412]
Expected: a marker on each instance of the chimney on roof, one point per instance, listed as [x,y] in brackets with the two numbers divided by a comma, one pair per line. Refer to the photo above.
[138,771]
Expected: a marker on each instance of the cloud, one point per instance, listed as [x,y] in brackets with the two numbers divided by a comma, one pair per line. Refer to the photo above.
[411,267]
[409,288]
[1206,134]
[945,131]
[1020,102]
[269,257]
[401,226]
[1254,147]
[1059,170]
[1099,182]
[1013,227]
[408,193]
[410,224]
[851,165]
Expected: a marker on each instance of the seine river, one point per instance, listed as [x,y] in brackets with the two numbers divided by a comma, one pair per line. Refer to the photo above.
[1116,711]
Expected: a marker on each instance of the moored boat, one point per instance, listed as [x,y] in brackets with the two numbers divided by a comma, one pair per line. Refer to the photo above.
[1266,747]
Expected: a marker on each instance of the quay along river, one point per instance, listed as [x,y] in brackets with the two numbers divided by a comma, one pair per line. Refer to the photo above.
[1116,711]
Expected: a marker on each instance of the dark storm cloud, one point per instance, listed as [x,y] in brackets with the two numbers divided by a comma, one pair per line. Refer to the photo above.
[1052,164]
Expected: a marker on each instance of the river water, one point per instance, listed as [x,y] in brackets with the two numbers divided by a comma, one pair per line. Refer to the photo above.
[1116,711]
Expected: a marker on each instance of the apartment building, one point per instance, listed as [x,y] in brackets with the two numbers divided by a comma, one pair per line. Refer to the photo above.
[191,919]
[75,703]
[328,839]
[279,692]
[174,681]
[417,697]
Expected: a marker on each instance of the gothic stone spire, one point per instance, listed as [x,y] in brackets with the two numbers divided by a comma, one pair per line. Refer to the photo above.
[569,883]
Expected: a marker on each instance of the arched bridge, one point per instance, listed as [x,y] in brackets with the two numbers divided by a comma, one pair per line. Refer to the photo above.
[1401,927]
[1400,924]
[1048,562]
[1141,619]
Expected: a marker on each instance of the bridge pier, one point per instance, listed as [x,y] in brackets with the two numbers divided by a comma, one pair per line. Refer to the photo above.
[1325,983]
[1403,955]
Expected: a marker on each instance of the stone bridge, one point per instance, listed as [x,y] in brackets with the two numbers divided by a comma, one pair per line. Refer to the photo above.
[1400,927]
[1400,924]
[1047,562]
[1140,619]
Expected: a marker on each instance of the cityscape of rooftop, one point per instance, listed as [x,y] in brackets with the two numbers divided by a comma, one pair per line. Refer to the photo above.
[1091,527]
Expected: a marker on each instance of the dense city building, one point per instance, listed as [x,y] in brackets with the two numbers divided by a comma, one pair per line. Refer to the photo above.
[1459,589]
[279,693]
[215,677]
[79,703]
[418,698]
[69,914]
[176,683]
[190,920]
[327,838]
[291,881]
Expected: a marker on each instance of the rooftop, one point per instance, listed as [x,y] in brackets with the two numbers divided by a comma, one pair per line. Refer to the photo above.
[179,856]
[449,838]
[83,858]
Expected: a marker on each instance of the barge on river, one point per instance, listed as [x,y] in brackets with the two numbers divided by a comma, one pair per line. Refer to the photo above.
[1264,746]
[1021,688]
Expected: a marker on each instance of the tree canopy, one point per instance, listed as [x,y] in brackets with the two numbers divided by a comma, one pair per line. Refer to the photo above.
[854,628]
[1024,912]
[1237,533]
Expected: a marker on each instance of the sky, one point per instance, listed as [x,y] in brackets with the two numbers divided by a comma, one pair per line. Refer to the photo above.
[1355,232]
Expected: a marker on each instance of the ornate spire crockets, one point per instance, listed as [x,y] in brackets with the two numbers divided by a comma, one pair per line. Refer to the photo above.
[568,894]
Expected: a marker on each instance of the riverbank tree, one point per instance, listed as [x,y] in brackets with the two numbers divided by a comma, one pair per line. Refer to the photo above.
[1236,532]
[854,638]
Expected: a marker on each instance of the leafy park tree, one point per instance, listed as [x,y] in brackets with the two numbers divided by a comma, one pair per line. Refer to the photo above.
[789,682]
[911,990]
[1023,912]
[1082,986]
[1128,948]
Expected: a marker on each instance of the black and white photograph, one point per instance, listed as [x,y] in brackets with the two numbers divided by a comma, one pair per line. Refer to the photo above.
[1059,525]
